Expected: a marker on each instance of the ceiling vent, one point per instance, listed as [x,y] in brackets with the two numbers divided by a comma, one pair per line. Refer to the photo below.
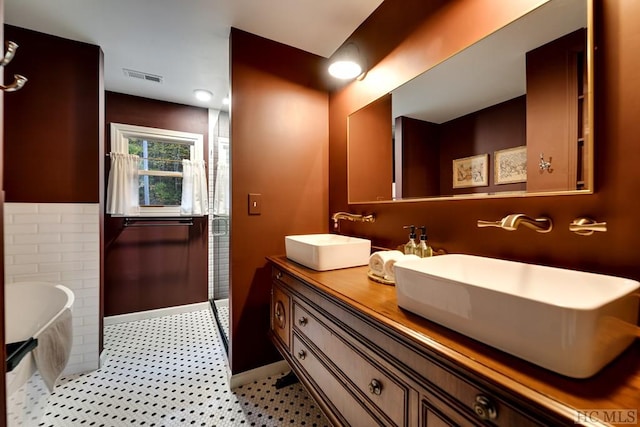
[142,76]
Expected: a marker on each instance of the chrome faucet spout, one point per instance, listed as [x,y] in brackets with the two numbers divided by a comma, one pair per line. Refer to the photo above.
[513,221]
[541,225]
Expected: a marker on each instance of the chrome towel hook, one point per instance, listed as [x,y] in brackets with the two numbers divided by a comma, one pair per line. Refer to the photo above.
[545,165]
[9,53]
[18,82]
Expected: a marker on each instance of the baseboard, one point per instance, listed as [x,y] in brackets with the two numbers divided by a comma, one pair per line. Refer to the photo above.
[247,377]
[150,314]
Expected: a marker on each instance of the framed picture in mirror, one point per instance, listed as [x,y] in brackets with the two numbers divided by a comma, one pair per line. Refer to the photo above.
[510,165]
[471,171]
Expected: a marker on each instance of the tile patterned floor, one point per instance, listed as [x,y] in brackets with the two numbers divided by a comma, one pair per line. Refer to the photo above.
[171,371]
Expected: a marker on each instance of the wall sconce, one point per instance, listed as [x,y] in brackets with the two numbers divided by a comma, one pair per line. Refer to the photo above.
[347,63]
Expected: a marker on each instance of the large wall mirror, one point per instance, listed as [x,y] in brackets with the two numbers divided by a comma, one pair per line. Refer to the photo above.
[509,115]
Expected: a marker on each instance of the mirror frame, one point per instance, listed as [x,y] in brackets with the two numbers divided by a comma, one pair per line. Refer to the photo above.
[588,137]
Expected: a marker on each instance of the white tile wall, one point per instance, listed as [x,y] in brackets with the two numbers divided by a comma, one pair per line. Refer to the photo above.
[219,261]
[219,245]
[60,242]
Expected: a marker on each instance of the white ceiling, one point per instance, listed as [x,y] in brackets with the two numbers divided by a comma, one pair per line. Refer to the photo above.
[186,41]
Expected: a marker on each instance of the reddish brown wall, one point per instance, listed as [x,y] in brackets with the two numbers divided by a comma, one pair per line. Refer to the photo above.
[148,268]
[134,110]
[494,128]
[397,19]
[420,157]
[452,224]
[370,149]
[279,135]
[154,267]
[54,120]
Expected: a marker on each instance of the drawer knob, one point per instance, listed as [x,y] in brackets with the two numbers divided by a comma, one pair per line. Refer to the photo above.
[375,387]
[279,275]
[484,408]
[302,354]
[302,321]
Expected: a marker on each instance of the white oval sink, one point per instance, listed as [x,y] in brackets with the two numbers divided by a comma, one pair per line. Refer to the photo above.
[327,251]
[567,321]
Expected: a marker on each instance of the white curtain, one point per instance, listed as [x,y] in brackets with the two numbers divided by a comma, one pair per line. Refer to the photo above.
[221,193]
[194,188]
[122,189]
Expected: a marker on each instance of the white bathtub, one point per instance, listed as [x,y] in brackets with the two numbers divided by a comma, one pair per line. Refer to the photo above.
[30,308]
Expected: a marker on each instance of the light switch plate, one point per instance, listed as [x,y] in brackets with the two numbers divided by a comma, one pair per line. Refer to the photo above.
[255,204]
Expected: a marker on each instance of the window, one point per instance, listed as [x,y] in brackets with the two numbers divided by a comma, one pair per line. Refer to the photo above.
[160,167]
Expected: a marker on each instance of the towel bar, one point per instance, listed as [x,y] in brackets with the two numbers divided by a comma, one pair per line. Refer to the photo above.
[157,221]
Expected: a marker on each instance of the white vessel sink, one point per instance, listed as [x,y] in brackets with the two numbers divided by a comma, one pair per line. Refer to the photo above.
[327,251]
[567,321]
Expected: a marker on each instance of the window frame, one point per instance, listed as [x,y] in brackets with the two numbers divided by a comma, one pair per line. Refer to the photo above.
[120,135]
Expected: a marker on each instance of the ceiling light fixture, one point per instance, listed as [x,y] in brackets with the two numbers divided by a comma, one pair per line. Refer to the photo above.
[203,95]
[347,63]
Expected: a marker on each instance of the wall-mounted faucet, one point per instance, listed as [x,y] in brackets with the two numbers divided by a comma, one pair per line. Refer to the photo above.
[351,217]
[513,221]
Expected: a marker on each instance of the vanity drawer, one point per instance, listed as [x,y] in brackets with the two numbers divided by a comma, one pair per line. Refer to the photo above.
[460,399]
[438,414]
[348,407]
[372,383]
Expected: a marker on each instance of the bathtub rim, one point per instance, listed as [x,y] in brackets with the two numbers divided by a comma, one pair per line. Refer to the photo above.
[68,304]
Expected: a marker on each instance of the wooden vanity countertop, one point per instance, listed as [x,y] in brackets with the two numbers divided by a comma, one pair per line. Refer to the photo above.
[617,386]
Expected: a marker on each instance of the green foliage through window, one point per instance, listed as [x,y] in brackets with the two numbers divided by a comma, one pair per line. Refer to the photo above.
[160,171]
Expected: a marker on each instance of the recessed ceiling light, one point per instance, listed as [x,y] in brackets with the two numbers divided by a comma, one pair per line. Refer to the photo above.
[226,100]
[202,95]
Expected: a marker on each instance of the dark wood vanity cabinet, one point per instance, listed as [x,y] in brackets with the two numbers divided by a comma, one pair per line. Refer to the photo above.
[363,373]
[353,386]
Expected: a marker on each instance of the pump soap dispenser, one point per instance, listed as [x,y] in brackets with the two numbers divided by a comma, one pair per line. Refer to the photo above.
[423,250]
[411,247]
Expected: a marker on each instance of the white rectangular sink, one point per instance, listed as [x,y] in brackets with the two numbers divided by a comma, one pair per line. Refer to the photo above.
[567,321]
[327,251]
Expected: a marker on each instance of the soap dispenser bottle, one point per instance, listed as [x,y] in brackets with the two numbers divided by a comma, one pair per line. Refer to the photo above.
[423,250]
[411,247]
